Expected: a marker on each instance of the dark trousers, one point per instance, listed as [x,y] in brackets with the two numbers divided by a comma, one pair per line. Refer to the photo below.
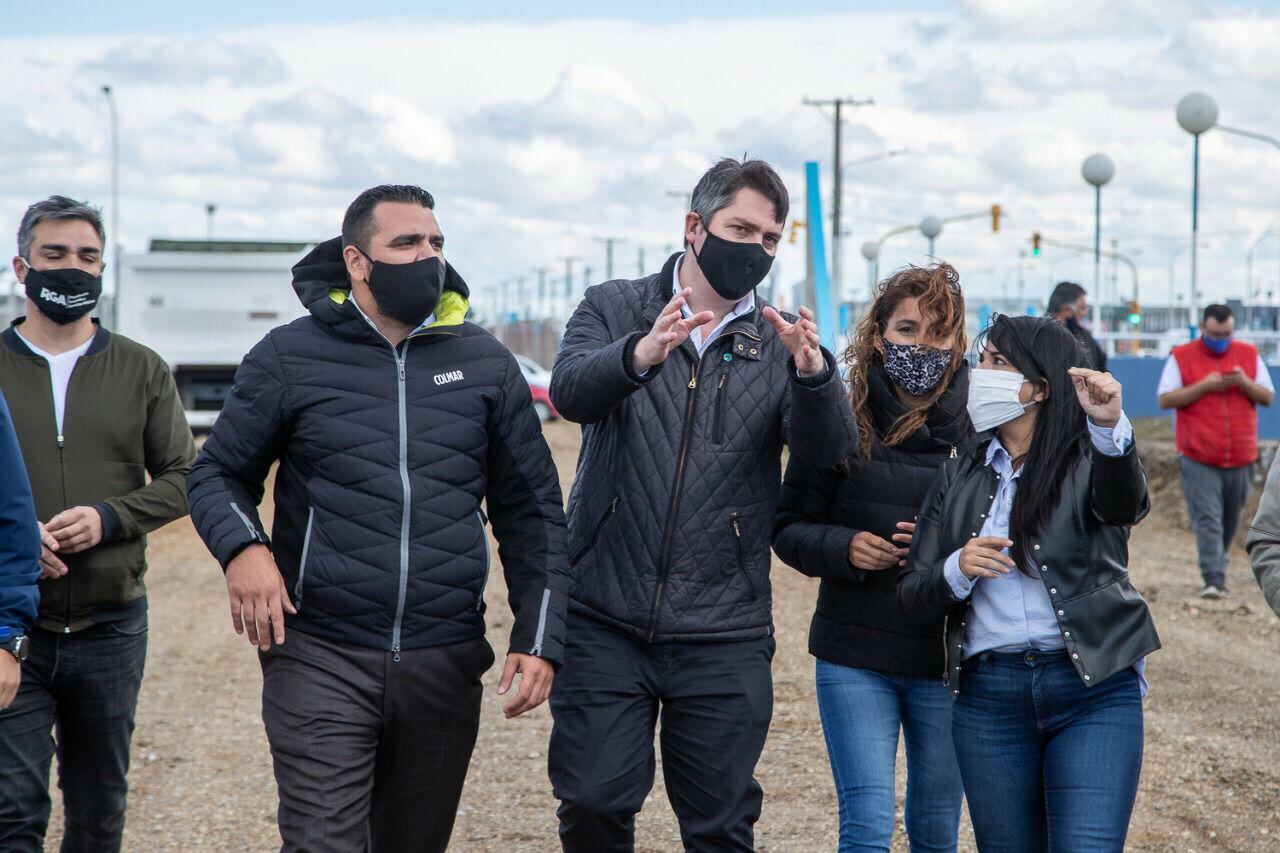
[715,700]
[83,688]
[1215,498]
[1048,763]
[370,753]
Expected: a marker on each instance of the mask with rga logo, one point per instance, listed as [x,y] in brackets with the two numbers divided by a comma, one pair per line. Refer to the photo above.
[63,295]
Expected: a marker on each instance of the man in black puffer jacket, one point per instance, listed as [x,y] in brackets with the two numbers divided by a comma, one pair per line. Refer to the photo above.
[687,387]
[392,419]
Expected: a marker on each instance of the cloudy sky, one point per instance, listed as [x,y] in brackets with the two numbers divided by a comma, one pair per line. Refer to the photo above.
[540,127]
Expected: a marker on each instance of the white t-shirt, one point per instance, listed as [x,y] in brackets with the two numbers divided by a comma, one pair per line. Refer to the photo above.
[1171,377]
[60,367]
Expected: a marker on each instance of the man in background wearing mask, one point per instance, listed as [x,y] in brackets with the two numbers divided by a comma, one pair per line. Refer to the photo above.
[1067,305]
[95,414]
[392,420]
[1215,384]
[687,386]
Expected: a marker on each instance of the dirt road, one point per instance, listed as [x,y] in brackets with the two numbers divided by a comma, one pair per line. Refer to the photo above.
[201,777]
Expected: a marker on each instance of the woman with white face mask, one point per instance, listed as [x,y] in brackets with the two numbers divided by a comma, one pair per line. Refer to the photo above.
[1022,546]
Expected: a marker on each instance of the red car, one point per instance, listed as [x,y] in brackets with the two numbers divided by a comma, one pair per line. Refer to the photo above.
[539,379]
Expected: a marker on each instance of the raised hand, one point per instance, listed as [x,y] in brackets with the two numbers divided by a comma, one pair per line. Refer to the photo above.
[801,340]
[1099,395]
[669,331]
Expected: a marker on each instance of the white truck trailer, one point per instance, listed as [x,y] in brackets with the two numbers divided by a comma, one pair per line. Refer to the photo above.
[203,304]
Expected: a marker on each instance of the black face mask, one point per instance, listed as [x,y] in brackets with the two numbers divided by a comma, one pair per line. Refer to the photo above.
[732,269]
[63,295]
[407,293]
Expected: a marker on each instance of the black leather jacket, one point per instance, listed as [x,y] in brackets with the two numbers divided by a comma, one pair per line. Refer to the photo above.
[1081,556]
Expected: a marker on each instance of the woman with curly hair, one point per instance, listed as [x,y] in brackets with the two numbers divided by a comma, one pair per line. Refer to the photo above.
[877,673]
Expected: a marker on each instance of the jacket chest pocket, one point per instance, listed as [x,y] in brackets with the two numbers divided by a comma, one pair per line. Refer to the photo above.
[594,536]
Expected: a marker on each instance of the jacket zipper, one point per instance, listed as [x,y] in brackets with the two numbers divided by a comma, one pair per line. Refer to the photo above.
[664,561]
[401,395]
[946,652]
[742,563]
[302,562]
[595,534]
[62,479]
[484,581]
[717,429]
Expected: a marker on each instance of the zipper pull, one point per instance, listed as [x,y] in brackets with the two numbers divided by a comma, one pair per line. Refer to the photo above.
[693,377]
[61,441]
[402,371]
[613,507]
[723,377]
[953,451]
[396,652]
[737,531]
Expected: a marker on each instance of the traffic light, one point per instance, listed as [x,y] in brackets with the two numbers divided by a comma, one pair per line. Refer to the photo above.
[1035,243]
[1135,313]
[995,218]
[795,224]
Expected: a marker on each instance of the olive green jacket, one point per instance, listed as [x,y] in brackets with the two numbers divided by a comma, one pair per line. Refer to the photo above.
[123,421]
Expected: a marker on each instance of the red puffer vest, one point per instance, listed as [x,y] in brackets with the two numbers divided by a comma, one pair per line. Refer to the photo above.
[1221,428]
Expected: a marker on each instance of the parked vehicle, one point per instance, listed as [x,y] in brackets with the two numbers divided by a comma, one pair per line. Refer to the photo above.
[203,304]
[539,379]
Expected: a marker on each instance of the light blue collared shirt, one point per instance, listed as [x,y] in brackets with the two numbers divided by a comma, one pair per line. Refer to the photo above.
[1012,612]
[701,341]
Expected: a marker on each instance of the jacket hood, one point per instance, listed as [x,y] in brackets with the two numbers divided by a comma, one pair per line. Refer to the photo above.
[320,280]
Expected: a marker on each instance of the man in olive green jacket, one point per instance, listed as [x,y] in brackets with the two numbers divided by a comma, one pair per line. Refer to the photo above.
[95,414]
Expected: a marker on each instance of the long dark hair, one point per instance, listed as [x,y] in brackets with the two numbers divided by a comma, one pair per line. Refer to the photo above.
[942,309]
[1042,350]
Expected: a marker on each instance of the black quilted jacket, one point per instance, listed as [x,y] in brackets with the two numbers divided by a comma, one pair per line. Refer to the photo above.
[673,502]
[858,621]
[385,456]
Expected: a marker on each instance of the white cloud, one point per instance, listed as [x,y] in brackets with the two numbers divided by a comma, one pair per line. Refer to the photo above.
[189,62]
[537,137]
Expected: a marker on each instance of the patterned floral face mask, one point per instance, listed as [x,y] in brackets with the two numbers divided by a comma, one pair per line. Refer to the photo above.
[914,368]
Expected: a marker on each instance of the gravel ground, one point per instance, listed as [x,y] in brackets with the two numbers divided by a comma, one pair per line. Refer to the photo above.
[201,777]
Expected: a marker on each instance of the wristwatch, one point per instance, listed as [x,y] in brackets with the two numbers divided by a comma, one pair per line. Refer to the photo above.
[17,646]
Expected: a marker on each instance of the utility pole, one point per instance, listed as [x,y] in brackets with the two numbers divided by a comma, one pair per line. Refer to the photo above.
[568,273]
[209,209]
[115,206]
[542,284]
[609,243]
[837,103]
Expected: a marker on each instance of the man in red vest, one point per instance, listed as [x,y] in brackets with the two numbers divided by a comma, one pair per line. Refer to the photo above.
[1216,384]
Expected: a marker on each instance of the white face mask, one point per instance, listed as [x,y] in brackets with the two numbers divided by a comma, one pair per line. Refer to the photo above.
[993,398]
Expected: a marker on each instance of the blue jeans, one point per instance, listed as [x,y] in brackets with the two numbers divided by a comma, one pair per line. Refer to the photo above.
[1048,763]
[862,711]
[84,686]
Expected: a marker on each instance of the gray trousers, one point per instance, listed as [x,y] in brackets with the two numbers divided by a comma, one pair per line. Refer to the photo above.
[1215,500]
[370,753]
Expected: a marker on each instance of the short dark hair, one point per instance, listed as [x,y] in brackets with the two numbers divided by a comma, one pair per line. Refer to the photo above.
[718,187]
[1066,293]
[1219,312]
[57,207]
[357,223]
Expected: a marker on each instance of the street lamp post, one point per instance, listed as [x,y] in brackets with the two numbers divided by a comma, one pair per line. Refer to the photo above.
[871,251]
[1197,112]
[1097,170]
[931,227]
[115,205]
